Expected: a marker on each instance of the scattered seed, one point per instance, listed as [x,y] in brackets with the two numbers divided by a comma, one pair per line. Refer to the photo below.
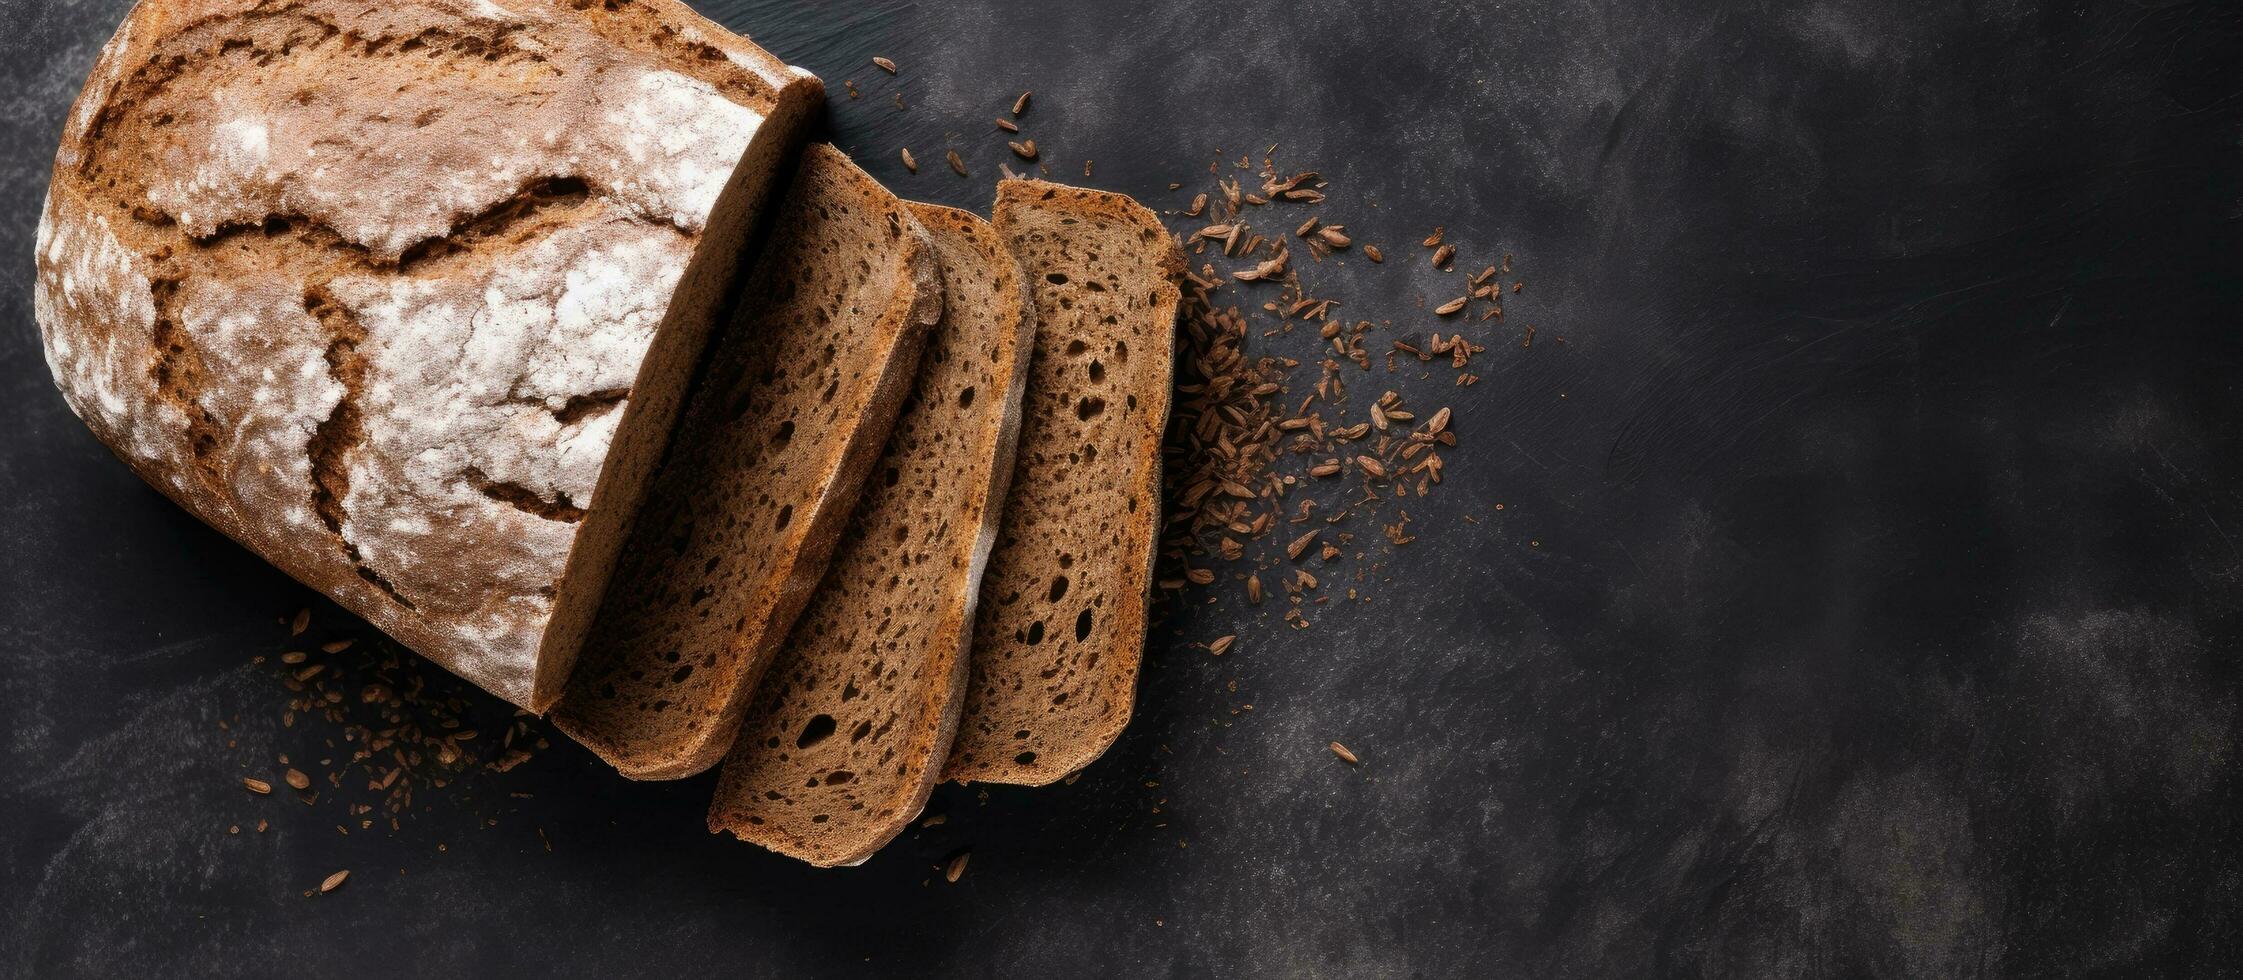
[955,163]
[909,163]
[1371,465]
[1020,105]
[1434,238]
[1221,645]
[302,622]
[1329,467]
[1253,588]
[1452,307]
[1335,238]
[885,65]
[1007,125]
[1300,544]
[257,786]
[1345,755]
[1443,256]
[1263,271]
[1439,421]
[334,881]
[957,867]
[1025,149]
[298,780]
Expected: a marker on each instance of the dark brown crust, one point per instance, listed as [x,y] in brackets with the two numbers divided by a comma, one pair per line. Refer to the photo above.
[977,755]
[197,466]
[864,790]
[631,701]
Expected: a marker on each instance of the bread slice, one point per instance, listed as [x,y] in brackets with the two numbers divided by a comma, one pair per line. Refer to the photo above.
[1061,624]
[843,741]
[792,409]
[404,297]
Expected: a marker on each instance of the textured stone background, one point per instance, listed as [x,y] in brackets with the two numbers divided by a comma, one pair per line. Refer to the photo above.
[1884,618]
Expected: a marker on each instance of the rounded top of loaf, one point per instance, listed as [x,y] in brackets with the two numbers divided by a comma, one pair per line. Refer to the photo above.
[369,286]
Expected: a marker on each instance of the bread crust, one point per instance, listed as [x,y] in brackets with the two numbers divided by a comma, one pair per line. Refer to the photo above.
[422,404]
[709,585]
[880,653]
[1083,710]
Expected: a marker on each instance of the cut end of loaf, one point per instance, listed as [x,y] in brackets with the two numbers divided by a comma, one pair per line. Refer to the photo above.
[854,720]
[1060,627]
[791,409]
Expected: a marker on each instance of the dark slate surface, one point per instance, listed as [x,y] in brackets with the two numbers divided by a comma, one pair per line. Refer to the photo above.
[1883,620]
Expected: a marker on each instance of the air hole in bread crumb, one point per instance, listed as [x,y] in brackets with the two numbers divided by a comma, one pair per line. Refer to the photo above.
[819,728]
[1082,626]
[1089,407]
[785,433]
[1075,347]
[839,776]
[786,514]
[1059,588]
[1025,758]
[858,733]
[1056,278]
[1097,371]
[1066,561]
[889,478]
[1035,633]
[1121,350]
[966,397]
[679,675]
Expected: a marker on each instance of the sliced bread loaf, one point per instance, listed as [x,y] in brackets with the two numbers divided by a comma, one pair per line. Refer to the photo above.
[1061,623]
[403,297]
[791,410]
[853,722]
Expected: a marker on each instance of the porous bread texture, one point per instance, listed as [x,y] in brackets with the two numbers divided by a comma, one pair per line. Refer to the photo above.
[402,296]
[790,413]
[852,723]
[1061,623]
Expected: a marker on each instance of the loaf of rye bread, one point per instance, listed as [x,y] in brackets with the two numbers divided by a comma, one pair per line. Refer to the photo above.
[852,724]
[1061,622]
[404,296]
[792,410]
